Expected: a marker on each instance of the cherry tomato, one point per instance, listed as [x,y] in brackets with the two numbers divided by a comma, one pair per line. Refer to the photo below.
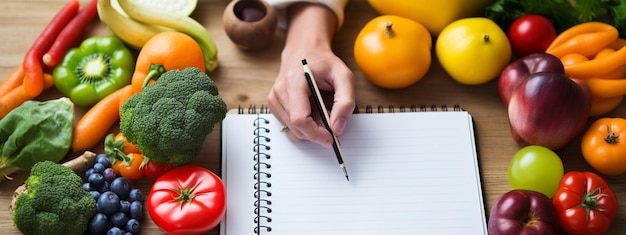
[128,146]
[531,34]
[153,170]
[130,168]
[536,168]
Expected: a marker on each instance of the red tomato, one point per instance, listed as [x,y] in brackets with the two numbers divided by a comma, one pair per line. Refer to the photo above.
[153,170]
[584,203]
[130,168]
[187,200]
[531,34]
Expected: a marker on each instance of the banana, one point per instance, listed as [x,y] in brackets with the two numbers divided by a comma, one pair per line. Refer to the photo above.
[178,22]
[133,32]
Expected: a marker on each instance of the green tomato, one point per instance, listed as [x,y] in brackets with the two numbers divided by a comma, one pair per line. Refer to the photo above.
[536,168]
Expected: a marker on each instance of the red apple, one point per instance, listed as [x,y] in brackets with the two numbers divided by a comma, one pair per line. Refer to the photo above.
[523,212]
[548,109]
[520,69]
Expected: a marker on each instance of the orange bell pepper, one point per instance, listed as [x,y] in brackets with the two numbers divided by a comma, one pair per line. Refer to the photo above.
[164,52]
[601,106]
[585,38]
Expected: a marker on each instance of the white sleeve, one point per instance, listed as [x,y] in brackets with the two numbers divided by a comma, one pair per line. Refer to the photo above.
[336,6]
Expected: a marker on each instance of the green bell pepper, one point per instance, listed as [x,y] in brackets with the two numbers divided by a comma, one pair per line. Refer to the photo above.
[95,69]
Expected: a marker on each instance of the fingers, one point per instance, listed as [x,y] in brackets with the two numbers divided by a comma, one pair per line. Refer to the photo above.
[277,109]
[291,102]
[343,100]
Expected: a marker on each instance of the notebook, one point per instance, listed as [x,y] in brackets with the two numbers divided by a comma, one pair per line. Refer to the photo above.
[412,171]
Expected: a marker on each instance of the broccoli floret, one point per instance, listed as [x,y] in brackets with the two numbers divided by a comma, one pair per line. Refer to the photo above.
[55,202]
[169,120]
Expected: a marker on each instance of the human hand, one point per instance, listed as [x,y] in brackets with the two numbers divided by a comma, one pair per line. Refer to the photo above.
[290,99]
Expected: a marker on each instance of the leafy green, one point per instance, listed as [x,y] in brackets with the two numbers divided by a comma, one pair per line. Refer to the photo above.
[35,131]
[563,13]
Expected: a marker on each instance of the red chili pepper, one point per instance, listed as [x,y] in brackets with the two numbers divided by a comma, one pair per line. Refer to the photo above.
[33,66]
[70,34]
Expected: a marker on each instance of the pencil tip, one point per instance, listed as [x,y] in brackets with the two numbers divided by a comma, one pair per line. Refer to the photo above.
[304,62]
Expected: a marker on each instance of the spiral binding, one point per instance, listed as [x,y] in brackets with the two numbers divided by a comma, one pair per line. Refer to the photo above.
[403,108]
[262,194]
[252,109]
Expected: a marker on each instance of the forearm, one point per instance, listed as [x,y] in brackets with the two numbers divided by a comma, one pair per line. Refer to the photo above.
[336,6]
[309,26]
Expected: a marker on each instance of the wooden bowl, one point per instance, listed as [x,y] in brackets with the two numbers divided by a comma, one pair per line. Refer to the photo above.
[250,24]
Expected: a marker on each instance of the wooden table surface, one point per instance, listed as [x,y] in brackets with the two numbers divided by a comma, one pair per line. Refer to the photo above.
[245,78]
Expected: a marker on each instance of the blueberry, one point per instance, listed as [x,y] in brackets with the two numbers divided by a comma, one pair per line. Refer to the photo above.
[103,159]
[132,226]
[105,187]
[98,167]
[115,231]
[98,224]
[136,210]
[87,187]
[88,172]
[119,219]
[135,195]
[95,194]
[109,174]
[125,206]
[108,203]
[121,186]
[95,180]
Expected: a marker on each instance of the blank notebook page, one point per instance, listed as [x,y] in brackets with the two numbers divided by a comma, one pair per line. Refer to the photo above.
[410,173]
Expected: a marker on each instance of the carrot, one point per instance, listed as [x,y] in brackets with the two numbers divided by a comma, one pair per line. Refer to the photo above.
[13,80]
[125,95]
[70,34]
[18,96]
[95,124]
[33,67]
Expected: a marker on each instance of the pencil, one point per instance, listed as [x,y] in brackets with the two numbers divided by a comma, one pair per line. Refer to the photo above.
[324,113]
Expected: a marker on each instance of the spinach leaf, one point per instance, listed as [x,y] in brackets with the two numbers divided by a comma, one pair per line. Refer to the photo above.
[35,131]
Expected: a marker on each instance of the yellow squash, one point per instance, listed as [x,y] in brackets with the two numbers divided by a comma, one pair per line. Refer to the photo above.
[434,15]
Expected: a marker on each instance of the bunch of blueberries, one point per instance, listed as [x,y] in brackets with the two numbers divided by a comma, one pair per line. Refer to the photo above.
[120,207]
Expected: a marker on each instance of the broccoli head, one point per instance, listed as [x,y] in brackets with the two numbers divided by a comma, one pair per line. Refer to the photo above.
[55,202]
[169,120]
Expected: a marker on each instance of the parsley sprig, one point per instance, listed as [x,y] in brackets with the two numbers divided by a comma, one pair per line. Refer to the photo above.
[563,13]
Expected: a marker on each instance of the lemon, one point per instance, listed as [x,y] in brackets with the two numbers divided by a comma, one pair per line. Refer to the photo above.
[183,7]
[473,50]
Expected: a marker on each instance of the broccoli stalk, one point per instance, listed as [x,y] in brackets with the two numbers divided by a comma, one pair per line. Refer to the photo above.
[54,202]
[169,120]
